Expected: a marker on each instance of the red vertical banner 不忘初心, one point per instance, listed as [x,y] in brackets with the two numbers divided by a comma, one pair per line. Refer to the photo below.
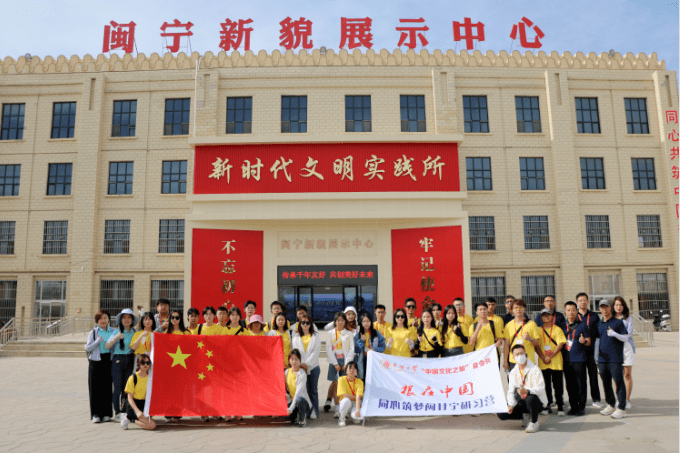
[427,265]
[226,268]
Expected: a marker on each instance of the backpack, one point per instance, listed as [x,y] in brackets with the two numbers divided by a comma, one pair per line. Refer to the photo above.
[126,404]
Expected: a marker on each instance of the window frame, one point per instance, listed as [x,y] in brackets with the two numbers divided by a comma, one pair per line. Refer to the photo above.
[53,180]
[16,180]
[70,123]
[7,236]
[469,110]
[352,111]
[55,237]
[184,114]
[128,178]
[635,162]
[486,241]
[525,177]
[478,174]
[300,110]
[167,178]
[587,174]
[131,118]
[521,110]
[598,232]
[534,223]
[164,236]
[406,110]
[115,233]
[532,294]
[246,115]
[6,124]
[649,230]
[631,113]
[580,124]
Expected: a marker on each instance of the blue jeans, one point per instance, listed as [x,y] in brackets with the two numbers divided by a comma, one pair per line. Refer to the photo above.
[613,371]
[313,389]
[122,366]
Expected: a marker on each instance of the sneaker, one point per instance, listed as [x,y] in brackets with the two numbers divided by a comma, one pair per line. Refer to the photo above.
[96,419]
[597,404]
[618,413]
[560,413]
[532,428]
[116,418]
[553,404]
[327,406]
[628,405]
[525,420]
[341,422]
[607,410]
[313,416]
[124,422]
[106,419]
[303,423]
[336,414]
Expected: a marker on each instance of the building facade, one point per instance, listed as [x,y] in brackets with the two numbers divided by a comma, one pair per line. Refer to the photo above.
[123,180]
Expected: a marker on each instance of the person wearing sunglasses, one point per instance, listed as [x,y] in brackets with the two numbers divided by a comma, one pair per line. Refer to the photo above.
[402,337]
[136,396]
[411,306]
[176,326]
[307,340]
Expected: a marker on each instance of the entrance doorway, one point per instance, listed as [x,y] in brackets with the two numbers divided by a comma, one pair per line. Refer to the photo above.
[324,301]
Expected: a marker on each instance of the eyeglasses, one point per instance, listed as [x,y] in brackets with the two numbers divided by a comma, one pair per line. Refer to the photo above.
[306,323]
[410,307]
[145,362]
[400,316]
[175,317]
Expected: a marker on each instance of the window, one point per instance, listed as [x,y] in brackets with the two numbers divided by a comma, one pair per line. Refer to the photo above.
[653,294]
[59,179]
[173,290]
[412,113]
[482,233]
[7,237]
[534,290]
[475,114]
[50,299]
[636,116]
[528,114]
[536,233]
[8,300]
[124,118]
[294,114]
[115,296]
[649,231]
[55,236]
[603,286]
[117,236]
[177,116]
[12,121]
[239,115]
[587,116]
[120,178]
[483,287]
[171,236]
[644,177]
[63,119]
[478,173]
[592,173]
[357,114]
[9,180]
[174,176]
[597,232]
[531,173]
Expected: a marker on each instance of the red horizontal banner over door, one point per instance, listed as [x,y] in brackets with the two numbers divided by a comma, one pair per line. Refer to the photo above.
[334,167]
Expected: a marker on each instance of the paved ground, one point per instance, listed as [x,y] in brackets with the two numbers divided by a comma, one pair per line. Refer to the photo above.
[45,408]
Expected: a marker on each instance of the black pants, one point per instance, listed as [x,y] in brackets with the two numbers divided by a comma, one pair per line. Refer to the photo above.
[531,405]
[553,380]
[453,352]
[577,384]
[121,370]
[613,371]
[591,366]
[100,386]
[131,414]
[299,414]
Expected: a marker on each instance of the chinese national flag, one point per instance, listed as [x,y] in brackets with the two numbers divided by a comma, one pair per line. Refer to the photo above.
[198,375]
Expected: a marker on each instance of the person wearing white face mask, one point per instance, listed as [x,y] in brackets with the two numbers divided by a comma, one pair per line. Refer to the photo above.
[526,391]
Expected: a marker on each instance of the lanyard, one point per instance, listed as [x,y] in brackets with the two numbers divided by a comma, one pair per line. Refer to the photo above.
[524,377]
[573,334]
[587,321]
[521,330]
[350,385]
[549,334]
[384,327]
[335,343]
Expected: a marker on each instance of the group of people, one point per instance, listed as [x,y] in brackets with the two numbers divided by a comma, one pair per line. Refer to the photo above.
[536,354]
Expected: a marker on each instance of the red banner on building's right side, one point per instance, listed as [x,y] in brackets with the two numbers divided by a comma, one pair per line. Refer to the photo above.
[427,264]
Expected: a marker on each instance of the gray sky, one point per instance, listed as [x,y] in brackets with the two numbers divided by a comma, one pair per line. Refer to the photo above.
[77,27]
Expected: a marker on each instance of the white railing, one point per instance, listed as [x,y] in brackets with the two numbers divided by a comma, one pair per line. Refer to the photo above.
[7,333]
[33,328]
[643,327]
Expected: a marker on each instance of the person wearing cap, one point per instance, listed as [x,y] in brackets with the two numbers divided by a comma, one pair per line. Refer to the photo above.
[578,339]
[612,334]
[591,319]
[122,357]
[557,317]
[307,340]
[551,364]
[255,326]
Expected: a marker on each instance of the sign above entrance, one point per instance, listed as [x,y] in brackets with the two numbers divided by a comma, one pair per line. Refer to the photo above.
[326,167]
[327,244]
[327,275]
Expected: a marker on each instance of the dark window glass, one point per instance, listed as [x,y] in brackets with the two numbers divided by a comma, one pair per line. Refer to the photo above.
[239,115]
[8,300]
[174,176]
[293,114]
[475,114]
[636,115]
[587,116]
[124,118]
[117,236]
[644,177]
[357,114]
[59,179]
[478,173]
[412,113]
[10,176]
[534,290]
[649,231]
[592,173]
[177,116]
[528,114]
[171,236]
[653,294]
[12,122]
[483,287]
[532,173]
[63,119]
[482,233]
[7,237]
[597,232]
[55,236]
[116,295]
[120,178]
[536,233]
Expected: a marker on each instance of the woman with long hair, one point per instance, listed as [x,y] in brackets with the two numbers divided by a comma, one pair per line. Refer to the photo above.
[308,342]
[453,336]
[99,381]
[136,396]
[141,340]
[122,357]
[622,312]
[234,325]
[340,351]
[402,337]
[281,329]
[366,339]
[296,387]
[176,326]
[429,337]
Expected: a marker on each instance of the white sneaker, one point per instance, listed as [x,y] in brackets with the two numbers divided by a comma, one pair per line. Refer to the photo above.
[597,404]
[532,428]
[525,420]
[313,416]
[618,413]
[607,410]
[124,422]
[628,405]
[341,422]
[560,413]
[106,419]
[336,414]
[96,419]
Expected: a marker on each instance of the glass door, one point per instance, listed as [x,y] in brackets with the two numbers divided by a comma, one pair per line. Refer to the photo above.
[326,301]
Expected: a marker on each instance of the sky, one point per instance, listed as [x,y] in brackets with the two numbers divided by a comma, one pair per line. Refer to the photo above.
[76,27]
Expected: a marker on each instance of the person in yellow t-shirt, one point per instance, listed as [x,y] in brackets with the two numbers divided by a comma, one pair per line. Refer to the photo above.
[141,340]
[255,326]
[550,363]
[411,306]
[520,331]
[350,393]
[136,396]
[193,315]
[210,327]
[276,307]
[429,337]
[401,337]
[453,333]
[281,324]
[380,324]
[234,326]
[480,333]
[497,320]
[177,324]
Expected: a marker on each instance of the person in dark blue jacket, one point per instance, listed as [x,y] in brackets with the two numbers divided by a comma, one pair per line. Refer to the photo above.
[558,318]
[574,355]
[612,334]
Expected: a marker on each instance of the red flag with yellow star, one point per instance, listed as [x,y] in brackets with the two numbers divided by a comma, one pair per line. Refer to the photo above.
[198,375]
